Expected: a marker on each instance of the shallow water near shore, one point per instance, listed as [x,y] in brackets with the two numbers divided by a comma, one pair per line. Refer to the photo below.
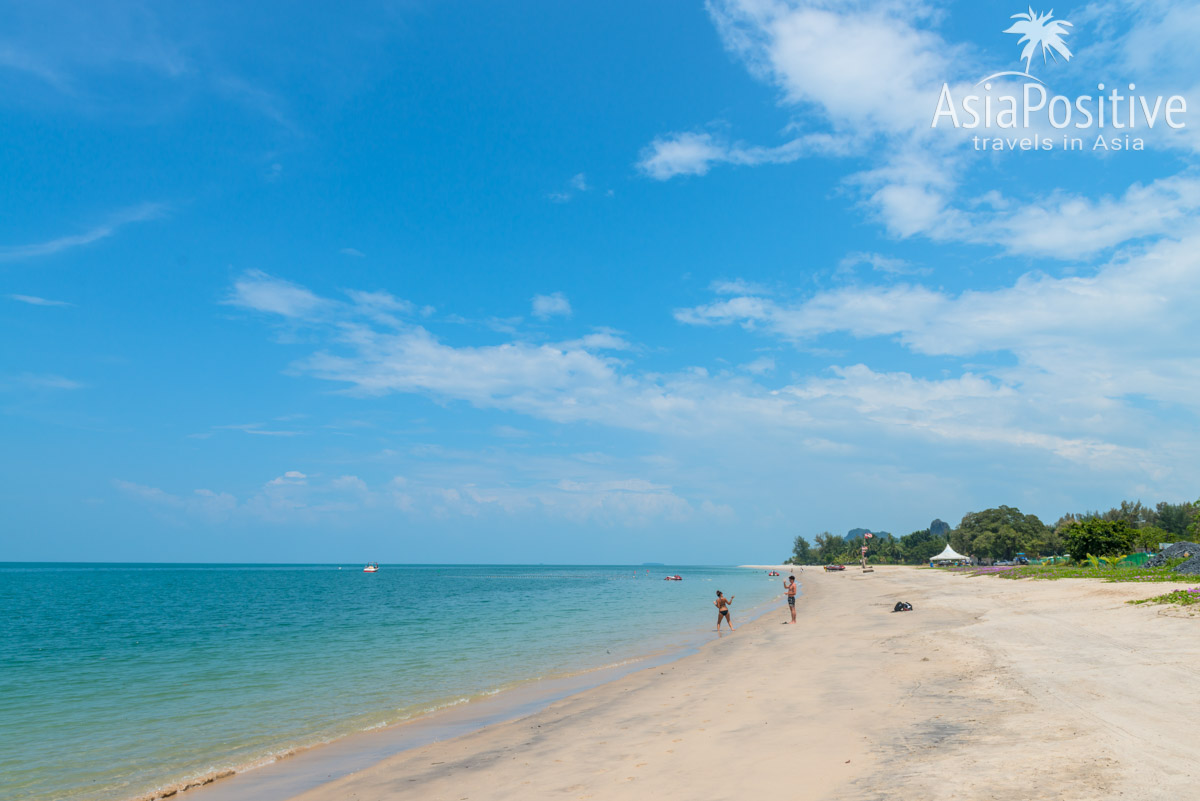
[116,680]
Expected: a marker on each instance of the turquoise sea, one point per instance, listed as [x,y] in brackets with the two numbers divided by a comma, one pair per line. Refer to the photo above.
[117,680]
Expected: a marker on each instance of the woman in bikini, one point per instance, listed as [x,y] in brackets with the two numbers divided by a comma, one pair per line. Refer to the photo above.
[722,603]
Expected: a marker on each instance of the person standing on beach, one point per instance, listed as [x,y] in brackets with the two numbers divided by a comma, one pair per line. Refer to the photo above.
[790,587]
[722,603]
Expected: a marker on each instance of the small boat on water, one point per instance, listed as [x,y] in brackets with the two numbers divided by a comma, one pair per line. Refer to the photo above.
[773,573]
[372,567]
[675,577]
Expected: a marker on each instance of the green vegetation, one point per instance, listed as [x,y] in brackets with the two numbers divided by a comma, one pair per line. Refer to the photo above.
[1003,532]
[1053,572]
[883,548]
[802,552]
[1097,537]
[1181,597]
[1178,520]
[1000,533]
[1150,537]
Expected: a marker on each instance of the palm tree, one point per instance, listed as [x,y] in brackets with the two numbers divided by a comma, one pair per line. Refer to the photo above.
[1041,30]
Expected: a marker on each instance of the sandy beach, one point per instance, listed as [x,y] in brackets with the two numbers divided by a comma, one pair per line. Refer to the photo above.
[989,689]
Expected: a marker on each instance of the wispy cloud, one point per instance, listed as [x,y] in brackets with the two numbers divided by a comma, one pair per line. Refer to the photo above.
[135,214]
[1085,347]
[258,430]
[90,54]
[764,365]
[880,263]
[576,185]
[34,300]
[204,504]
[14,58]
[298,497]
[259,291]
[1057,329]
[695,153]
[552,305]
[47,381]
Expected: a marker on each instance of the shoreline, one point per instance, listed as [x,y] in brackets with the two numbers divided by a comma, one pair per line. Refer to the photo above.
[281,776]
[990,688]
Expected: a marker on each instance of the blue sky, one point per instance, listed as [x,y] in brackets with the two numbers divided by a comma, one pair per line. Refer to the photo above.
[576,282]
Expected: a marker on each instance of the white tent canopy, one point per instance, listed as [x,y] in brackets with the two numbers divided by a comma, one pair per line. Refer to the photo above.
[949,555]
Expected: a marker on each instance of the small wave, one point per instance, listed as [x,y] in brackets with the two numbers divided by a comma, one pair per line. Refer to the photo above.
[210,775]
[186,784]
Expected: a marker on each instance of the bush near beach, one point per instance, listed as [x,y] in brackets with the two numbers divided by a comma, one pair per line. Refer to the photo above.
[1005,533]
[1113,546]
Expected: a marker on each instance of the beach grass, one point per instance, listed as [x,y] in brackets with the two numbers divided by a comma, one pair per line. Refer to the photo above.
[1186,597]
[1087,571]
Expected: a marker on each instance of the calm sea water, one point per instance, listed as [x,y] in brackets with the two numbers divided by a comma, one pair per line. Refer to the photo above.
[116,680]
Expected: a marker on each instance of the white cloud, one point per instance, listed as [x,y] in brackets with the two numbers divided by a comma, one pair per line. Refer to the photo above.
[1085,354]
[553,305]
[577,184]
[510,432]
[763,365]
[291,477]
[204,504]
[142,213]
[33,300]
[681,154]
[968,409]
[23,61]
[598,340]
[865,65]
[258,291]
[870,73]
[693,153]
[1076,350]
[47,381]
[295,498]
[879,263]
[355,252]
[350,484]
[1068,226]
[738,287]
[258,430]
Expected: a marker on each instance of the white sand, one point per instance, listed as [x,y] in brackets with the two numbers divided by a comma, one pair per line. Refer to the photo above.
[989,689]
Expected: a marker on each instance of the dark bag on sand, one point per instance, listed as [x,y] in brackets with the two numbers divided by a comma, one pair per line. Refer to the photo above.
[902,606]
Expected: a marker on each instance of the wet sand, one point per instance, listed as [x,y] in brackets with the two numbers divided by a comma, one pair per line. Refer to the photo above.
[989,689]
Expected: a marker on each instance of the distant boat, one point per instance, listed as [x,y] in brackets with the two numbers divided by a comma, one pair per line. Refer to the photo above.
[675,577]
[372,567]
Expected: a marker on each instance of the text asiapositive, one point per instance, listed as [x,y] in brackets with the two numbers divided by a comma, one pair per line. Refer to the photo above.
[1113,110]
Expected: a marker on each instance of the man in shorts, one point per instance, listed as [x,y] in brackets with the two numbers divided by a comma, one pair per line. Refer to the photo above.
[790,587]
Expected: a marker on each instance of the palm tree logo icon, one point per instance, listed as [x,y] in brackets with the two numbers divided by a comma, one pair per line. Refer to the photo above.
[1038,30]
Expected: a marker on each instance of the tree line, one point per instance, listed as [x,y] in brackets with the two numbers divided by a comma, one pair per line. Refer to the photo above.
[1003,532]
